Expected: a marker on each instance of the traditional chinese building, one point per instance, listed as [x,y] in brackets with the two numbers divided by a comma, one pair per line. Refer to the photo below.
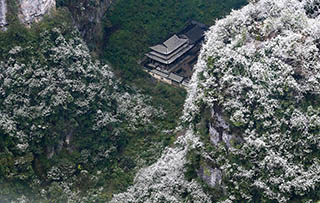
[172,61]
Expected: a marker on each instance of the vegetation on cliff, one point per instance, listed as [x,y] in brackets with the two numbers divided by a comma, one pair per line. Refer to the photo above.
[256,102]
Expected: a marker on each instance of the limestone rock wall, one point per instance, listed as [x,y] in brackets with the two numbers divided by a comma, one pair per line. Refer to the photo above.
[3,12]
[33,10]
[87,15]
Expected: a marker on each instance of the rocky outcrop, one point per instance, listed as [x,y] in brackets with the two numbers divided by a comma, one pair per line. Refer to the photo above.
[211,176]
[31,11]
[88,15]
[3,12]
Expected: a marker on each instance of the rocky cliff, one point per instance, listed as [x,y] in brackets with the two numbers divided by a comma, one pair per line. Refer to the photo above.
[3,12]
[31,11]
[26,10]
[87,15]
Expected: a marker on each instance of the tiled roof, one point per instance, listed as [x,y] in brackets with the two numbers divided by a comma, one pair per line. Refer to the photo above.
[172,58]
[195,33]
[169,45]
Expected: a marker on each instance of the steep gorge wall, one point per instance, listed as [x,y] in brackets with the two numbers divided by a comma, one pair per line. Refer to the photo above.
[31,11]
[87,15]
[28,11]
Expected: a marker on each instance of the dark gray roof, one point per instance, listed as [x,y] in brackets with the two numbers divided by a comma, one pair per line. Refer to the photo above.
[169,56]
[155,56]
[203,26]
[169,45]
[195,33]
[175,77]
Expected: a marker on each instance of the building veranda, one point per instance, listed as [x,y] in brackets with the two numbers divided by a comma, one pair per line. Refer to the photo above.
[172,61]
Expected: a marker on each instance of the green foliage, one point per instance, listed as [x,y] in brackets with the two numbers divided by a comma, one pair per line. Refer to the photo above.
[12,12]
[19,170]
[193,165]
[19,35]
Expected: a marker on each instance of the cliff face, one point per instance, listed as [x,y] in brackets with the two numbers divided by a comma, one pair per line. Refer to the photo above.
[31,11]
[87,15]
[28,11]
[3,12]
